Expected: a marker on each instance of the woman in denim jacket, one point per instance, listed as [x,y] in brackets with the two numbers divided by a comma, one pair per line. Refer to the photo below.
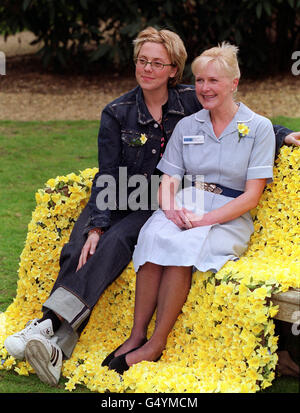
[133,133]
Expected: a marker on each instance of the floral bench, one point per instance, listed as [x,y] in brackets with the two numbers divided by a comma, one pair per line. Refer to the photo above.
[223,341]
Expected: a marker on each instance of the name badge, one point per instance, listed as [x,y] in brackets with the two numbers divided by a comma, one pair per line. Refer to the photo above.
[193,139]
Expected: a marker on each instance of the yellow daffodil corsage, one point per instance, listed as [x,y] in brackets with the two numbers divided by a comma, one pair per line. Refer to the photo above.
[243,130]
[140,141]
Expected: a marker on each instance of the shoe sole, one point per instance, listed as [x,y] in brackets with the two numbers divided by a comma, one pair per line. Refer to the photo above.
[38,357]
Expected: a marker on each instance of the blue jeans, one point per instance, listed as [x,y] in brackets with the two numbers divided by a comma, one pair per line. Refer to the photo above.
[74,294]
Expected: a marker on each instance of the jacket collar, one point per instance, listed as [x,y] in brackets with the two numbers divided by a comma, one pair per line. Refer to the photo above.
[173,105]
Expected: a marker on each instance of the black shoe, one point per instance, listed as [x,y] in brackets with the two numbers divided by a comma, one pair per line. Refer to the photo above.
[119,363]
[111,356]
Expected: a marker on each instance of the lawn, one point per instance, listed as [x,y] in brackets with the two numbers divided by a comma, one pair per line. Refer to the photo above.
[30,154]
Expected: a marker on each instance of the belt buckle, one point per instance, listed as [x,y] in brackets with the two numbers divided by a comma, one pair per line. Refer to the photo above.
[209,187]
[212,188]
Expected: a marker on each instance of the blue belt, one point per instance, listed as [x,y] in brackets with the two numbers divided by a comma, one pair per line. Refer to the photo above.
[218,189]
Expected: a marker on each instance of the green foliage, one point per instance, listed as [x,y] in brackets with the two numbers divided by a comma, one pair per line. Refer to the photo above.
[88,31]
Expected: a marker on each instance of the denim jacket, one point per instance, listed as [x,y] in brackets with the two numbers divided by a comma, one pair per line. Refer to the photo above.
[130,138]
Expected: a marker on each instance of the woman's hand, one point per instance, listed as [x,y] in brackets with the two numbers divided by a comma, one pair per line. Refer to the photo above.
[197,220]
[167,202]
[88,249]
[293,139]
[179,217]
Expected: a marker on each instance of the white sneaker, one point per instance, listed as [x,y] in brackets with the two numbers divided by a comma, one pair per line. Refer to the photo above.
[45,357]
[16,343]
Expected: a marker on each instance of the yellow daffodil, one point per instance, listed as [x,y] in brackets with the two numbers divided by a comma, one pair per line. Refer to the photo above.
[143,138]
[139,141]
[243,130]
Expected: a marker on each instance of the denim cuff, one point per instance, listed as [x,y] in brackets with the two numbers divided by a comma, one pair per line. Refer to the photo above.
[68,306]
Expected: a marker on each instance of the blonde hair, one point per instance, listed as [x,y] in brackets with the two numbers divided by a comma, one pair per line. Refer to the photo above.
[224,56]
[173,44]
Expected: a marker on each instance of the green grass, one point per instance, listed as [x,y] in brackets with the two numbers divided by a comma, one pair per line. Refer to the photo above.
[291,123]
[11,382]
[30,154]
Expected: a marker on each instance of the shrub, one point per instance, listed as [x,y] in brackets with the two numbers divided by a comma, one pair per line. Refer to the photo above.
[88,31]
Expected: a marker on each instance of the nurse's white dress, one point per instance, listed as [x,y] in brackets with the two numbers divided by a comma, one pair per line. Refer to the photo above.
[195,153]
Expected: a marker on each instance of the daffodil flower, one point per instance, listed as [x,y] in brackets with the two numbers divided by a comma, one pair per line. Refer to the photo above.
[140,141]
[243,130]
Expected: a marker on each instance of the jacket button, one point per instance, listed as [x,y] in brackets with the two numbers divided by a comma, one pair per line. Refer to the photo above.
[153,151]
[155,125]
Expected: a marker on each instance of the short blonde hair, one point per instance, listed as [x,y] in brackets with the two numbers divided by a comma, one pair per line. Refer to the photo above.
[225,57]
[173,44]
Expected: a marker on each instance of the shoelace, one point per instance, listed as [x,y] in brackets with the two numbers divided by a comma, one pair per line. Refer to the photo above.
[28,327]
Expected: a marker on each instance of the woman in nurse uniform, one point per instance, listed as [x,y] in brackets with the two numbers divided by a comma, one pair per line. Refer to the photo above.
[224,154]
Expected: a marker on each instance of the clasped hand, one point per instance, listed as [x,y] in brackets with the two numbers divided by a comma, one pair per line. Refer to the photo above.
[185,219]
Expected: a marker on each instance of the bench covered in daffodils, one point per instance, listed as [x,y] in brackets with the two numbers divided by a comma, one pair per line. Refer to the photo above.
[224,339]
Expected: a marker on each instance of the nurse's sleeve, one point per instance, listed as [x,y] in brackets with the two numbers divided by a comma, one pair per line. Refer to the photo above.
[172,161]
[262,156]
